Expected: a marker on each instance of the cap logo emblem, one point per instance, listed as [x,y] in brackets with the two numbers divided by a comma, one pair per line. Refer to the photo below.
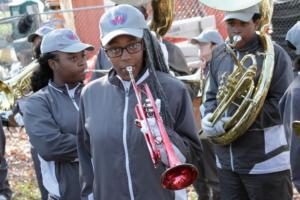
[120,18]
[72,37]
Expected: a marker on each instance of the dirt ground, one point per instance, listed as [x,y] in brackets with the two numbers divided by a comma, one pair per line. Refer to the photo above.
[21,171]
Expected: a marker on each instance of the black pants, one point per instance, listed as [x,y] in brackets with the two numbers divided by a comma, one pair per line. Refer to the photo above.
[273,186]
[207,183]
[4,186]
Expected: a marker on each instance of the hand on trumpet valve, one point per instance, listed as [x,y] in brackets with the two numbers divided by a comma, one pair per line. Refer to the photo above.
[160,145]
[164,157]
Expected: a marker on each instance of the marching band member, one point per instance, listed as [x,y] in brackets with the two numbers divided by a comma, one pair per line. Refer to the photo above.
[208,180]
[50,115]
[114,159]
[36,40]
[172,54]
[289,104]
[255,165]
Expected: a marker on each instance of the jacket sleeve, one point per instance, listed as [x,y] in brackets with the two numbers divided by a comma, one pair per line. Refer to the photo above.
[184,134]
[211,89]
[85,158]
[282,77]
[44,133]
[2,142]
[289,110]
[295,164]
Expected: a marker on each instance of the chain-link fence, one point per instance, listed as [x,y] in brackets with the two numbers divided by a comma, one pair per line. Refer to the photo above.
[286,14]
[84,20]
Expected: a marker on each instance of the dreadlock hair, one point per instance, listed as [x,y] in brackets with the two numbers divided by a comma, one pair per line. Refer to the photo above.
[154,60]
[43,73]
[37,50]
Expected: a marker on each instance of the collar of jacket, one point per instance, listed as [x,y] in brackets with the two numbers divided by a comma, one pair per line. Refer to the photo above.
[115,80]
[63,88]
[251,46]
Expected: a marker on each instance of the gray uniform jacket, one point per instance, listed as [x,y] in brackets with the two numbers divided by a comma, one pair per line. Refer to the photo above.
[2,142]
[50,118]
[263,148]
[111,143]
[289,110]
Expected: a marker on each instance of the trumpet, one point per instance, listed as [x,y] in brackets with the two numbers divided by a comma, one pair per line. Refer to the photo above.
[178,175]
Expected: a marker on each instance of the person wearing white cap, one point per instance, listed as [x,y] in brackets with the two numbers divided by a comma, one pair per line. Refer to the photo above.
[36,39]
[288,105]
[207,41]
[172,53]
[255,165]
[113,155]
[50,114]
[207,184]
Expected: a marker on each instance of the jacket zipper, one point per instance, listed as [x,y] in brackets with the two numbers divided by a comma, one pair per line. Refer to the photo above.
[125,144]
[231,157]
[72,98]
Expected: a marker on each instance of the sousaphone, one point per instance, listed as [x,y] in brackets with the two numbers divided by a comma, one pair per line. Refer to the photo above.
[240,85]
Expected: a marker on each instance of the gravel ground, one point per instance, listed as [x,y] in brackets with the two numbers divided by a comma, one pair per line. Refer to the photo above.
[21,170]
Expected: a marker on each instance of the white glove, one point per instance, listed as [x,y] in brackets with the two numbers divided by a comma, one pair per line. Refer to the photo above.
[164,157]
[6,114]
[2,197]
[19,119]
[157,136]
[211,130]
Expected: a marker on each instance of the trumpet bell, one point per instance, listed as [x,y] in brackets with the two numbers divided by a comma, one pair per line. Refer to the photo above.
[230,5]
[179,177]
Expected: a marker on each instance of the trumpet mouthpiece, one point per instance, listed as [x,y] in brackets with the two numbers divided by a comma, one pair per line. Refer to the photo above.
[235,40]
[129,68]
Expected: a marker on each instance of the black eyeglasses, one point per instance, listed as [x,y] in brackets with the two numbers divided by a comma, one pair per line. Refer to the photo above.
[130,48]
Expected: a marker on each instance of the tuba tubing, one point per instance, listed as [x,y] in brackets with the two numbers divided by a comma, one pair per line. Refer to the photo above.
[178,175]
[240,83]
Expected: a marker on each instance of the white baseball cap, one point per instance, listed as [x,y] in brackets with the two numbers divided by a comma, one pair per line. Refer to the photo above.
[121,20]
[64,40]
[293,36]
[244,15]
[207,36]
[42,31]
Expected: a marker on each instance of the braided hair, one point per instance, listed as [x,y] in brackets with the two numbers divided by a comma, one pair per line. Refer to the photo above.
[43,73]
[154,61]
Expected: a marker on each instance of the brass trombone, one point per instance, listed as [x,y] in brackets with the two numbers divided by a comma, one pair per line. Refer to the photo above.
[178,175]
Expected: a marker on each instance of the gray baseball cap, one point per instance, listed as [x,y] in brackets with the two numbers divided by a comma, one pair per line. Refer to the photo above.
[121,20]
[40,32]
[208,36]
[293,36]
[244,15]
[64,40]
